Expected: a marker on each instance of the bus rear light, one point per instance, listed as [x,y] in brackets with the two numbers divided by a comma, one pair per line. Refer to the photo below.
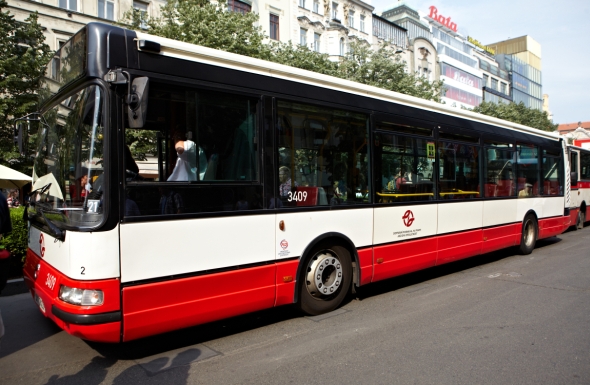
[84,297]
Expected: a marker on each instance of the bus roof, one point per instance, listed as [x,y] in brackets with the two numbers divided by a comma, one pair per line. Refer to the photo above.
[192,52]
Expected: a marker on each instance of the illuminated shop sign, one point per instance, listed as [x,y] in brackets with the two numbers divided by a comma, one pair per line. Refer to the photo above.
[478,44]
[446,21]
[460,76]
[462,96]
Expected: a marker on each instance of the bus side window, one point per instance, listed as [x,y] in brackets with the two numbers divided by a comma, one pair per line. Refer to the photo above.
[323,157]
[200,146]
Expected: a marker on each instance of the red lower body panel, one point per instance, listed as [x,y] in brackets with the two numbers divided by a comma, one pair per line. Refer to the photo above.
[164,306]
[44,284]
[286,279]
[402,258]
[365,265]
[500,237]
[457,246]
[553,226]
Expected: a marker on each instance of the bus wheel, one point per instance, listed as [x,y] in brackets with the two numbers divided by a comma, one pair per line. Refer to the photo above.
[325,281]
[529,234]
[581,220]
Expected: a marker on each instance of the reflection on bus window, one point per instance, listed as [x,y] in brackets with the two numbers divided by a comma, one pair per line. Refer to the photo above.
[405,168]
[527,159]
[323,158]
[459,171]
[552,173]
[499,179]
[204,142]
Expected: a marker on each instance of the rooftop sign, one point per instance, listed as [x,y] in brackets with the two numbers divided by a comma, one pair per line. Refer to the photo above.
[478,44]
[446,21]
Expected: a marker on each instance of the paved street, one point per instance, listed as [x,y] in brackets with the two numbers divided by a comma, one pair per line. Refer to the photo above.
[500,318]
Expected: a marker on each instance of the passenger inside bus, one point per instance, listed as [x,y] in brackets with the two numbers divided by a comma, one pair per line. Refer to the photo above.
[527,191]
[185,168]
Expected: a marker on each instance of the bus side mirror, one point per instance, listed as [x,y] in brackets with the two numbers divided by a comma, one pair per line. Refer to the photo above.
[137,101]
[574,177]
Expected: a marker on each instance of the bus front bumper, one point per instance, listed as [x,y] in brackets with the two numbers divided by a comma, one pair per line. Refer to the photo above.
[93,323]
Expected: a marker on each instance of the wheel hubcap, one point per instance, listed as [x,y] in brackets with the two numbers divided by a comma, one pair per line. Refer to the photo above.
[529,233]
[324,275]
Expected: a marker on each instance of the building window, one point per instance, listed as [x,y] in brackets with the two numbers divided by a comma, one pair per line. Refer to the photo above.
[341,46]
[239,7]
[334,10]
[56,67]
[143,12]
[303,37]
[485,80]
[316,42]
[362,23]
[106,9]
[503,88]
[316,6]
[495,84]
[351,19]
[71,5]
[302,3]
[274,27]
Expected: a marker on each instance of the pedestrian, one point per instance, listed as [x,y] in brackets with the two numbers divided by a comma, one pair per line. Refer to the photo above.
[5,227]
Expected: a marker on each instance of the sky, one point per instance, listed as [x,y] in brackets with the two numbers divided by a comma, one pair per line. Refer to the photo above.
[562,28]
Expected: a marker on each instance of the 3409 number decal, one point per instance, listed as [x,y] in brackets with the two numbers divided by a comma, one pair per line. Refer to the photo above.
[297,196]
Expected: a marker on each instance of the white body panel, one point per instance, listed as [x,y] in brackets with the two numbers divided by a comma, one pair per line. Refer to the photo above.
[459,216]
[302,228]
[390,227]
[81,256]
[580,195]
[444,218]
[165,248]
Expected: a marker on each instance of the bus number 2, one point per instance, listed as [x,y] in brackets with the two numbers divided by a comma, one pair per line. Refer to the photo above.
[83,272]
[297,196]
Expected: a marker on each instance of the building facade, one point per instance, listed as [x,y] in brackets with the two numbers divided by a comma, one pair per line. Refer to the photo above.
[521,59]
[62,18]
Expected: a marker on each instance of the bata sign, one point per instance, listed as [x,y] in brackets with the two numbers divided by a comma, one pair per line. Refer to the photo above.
[446,21]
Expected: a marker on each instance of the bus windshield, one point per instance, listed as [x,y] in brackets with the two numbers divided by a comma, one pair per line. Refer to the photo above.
[68,169]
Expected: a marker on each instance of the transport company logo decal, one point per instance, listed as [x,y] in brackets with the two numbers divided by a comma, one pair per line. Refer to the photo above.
[408,218]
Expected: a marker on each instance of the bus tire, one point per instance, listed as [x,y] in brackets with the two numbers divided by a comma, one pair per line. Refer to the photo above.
[530,231]
[581,220]
[325,280]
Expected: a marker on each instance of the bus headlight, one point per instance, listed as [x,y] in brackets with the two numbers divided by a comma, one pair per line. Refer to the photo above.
[84,297]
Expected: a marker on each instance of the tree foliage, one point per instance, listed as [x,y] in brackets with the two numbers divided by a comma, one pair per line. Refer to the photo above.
[517,113]
[385,69]
[211,25]
[23,56]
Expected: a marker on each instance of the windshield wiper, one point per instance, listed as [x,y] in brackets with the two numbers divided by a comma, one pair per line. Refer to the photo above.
[59,234]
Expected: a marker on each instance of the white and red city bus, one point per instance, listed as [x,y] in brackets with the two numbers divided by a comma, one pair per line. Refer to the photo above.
[268,185]
[579,159]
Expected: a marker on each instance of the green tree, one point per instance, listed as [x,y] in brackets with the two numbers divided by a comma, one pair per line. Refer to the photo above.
[517,113]
[299,56]
[207,24]
[211,25]
[23,56]
[385,69]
